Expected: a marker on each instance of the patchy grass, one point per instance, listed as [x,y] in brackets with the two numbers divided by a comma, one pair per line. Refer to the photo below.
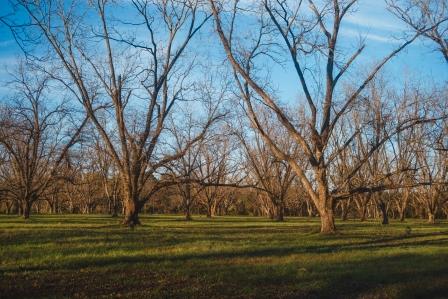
[79,256]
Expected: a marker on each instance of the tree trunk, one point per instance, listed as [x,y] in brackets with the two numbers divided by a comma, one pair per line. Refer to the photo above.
[279,215]
[363,213]
[209,211]
[309,209]
[19,209]
[325,204]
[187,202]
[115,210]
[188,213]
[404,204]
[327,222]
[402,215]
[431,218]
[131,213]
[26,209]
[383,210]
[9,206]
[344,210]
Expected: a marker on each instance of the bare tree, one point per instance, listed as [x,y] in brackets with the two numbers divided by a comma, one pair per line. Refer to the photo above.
[433,171]
[215,170]
[35,134]
[272,176]
[133,81]
[421,15]
[304,38]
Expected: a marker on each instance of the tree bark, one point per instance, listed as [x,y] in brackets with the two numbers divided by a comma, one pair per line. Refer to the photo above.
[404,204]
[431,218]
[131,212]
[26,209]
[188,213]
[385,218]
[344,210]
[325,203]
[402,215]
[209,211]
[279,215]
[363,213]
[327,221]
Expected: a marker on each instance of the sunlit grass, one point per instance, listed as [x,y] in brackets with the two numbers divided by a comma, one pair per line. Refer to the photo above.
[94,256]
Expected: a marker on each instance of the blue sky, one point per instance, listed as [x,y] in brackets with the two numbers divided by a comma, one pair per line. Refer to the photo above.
[371,21]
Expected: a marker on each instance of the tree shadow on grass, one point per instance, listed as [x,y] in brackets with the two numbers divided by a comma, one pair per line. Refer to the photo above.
[75,261]
[399,276]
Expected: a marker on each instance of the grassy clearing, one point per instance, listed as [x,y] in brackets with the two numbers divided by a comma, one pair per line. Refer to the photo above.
[93,256]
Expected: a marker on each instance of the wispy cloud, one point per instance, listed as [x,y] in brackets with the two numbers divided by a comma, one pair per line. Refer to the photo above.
[374,23]
[376,37]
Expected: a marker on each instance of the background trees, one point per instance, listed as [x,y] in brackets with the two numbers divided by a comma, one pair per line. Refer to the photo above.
[36,133]
[148,114]
[427,17]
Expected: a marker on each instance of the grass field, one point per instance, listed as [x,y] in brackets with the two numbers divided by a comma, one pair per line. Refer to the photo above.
[93,256]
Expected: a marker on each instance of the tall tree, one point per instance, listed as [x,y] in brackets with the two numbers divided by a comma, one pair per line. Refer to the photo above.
[308,33]
[135,81]
[36,133]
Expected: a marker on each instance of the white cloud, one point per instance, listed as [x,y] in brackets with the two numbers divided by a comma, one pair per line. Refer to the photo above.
[377,37]
[374,23]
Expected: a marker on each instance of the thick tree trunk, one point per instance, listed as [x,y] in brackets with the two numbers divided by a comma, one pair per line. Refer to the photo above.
[131,213]
[279,215]
[309,209]
[344,210]
[325,204]
[327,222]
[115,211]
[26,209]
[385,218]
[363,213]
[188,213]
[431,218]
[9,207]
[19,209]
[403,206]
[209,211]
[402,215]
[187,202]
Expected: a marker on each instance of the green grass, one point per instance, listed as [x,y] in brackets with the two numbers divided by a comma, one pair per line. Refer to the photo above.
[93,256]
